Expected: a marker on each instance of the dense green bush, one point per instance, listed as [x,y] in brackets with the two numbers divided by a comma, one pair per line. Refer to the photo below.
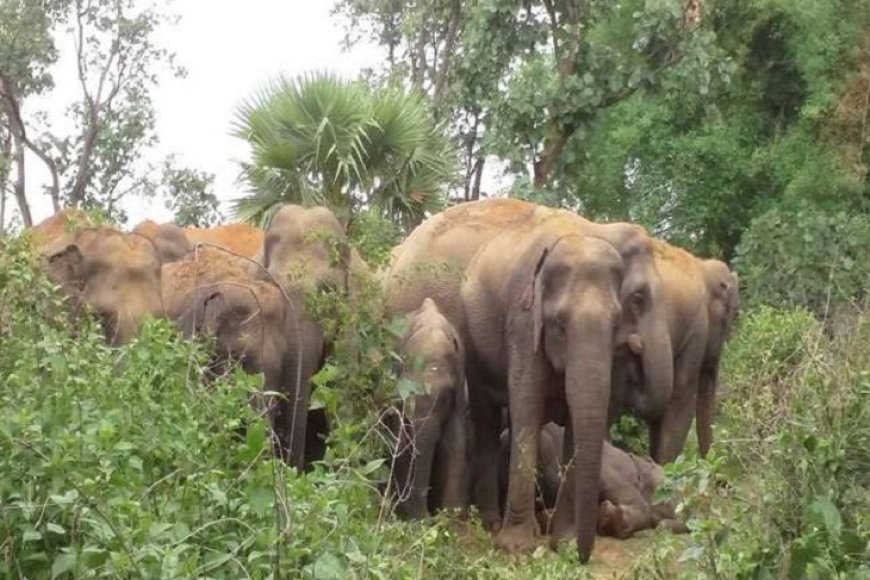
[786,489]
[805,256]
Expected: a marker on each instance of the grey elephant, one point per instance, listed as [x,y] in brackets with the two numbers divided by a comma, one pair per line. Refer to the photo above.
[114,274]
[702,299]
[258,325]
[430,468]
[433,262]
[542,311]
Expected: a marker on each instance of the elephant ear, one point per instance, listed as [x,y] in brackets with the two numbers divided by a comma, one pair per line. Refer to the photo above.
[67,265]
[533,298]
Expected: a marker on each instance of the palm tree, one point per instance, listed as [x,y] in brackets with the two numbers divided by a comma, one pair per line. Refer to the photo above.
[323,140]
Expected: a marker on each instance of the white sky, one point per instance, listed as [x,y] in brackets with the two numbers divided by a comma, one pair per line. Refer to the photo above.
[229,49]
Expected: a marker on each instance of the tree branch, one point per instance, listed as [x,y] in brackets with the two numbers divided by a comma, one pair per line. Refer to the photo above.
[449,45]
[12,109]
[94,103]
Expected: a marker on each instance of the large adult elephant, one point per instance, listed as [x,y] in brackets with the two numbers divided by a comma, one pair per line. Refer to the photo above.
[542,312]
[430,468]
[117,275]
[702,301]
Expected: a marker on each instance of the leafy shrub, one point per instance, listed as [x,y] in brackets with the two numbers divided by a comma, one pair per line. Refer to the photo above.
[785,491]
[807,257]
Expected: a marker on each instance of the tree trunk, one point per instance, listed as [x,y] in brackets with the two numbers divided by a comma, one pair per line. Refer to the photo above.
[478,177]
[557,137]
[18,190]
[447,56]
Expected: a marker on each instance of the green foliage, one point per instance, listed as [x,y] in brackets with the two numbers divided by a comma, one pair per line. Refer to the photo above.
[323,140]
[374,236]
[720,142]
[188,193]
[806,256]
[785,492]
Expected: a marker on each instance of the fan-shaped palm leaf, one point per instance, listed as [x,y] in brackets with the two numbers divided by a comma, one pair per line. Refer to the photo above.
[320,139]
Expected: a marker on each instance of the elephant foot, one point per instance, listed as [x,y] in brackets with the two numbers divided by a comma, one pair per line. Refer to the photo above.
[611,521]
[491,522]
[562,527]
[517,538]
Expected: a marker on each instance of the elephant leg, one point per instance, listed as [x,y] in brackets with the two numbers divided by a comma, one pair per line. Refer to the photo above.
[315,436]
[452,470]
[520,526]
[680,410]
[563,517]
[706,408]
[485,417]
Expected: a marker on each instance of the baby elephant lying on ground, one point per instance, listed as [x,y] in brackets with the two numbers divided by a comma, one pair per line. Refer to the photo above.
[628,484]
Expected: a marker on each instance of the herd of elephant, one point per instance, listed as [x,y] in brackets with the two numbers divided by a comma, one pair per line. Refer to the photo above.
[530,331]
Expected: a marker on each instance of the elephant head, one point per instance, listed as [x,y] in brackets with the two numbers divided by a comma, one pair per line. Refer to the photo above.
[114,274]
[434,359]
[644,335]
[254,323]
[246,320]
[307,249]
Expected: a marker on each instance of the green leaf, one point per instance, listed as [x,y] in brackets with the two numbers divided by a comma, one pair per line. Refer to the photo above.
[372,466]
[55,529]
[31,536]
[261,498]
[824,514]
[63,564]
[255,439]
[329,567]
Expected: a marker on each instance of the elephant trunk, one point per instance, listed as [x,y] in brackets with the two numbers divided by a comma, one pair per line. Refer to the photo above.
[587,390]
[657,361]
[417,456]
[294,421]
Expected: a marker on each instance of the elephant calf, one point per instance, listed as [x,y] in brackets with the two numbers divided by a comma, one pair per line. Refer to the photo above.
[430,470]
[627,485]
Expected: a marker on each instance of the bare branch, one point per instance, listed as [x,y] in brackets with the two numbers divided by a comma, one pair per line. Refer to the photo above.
[12,109]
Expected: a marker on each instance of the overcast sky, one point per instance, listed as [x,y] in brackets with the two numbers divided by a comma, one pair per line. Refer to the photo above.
[229,49]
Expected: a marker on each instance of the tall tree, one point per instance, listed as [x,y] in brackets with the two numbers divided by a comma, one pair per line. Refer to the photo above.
[189,194]
[117,63]
[523,78]
[320,139]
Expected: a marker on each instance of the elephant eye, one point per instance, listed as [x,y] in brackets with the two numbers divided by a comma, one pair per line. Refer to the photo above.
[637,301]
